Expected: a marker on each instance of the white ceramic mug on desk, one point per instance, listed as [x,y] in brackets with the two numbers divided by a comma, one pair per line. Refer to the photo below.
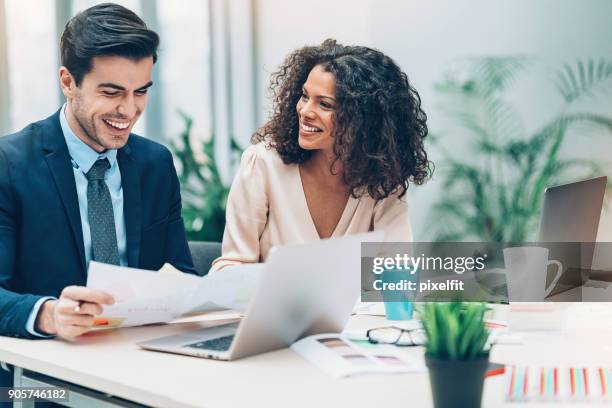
[526,270]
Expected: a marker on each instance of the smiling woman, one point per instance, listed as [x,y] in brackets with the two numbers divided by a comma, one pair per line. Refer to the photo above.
[344,142]
[316,110]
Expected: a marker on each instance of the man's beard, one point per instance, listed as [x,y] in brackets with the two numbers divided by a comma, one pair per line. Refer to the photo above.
[87,126]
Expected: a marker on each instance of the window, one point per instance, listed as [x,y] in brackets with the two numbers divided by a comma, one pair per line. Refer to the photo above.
[181,76]
[32,61]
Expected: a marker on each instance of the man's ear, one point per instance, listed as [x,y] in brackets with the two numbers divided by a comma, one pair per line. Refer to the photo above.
[67,82]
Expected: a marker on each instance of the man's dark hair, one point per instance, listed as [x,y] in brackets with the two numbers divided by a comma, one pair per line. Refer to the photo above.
[105,29]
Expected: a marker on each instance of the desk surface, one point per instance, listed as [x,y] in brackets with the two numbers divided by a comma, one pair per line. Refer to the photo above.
[111,362]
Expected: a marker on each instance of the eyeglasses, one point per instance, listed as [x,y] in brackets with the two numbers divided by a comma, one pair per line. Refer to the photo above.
[397,336]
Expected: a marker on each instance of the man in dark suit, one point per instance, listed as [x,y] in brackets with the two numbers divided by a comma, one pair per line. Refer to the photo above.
[78,186]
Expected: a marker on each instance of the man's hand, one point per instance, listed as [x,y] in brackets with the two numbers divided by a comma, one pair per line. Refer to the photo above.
[73,313]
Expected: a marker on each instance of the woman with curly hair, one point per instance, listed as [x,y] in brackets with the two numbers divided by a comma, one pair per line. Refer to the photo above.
[344,142]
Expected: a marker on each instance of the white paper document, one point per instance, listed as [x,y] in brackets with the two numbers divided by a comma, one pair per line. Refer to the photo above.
[341,357]
[369,308]
[146,297]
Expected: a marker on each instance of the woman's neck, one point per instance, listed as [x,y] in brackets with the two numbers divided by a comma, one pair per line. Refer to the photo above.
[319,166]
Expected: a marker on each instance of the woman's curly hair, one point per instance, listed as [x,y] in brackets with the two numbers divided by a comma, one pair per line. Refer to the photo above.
[379,123]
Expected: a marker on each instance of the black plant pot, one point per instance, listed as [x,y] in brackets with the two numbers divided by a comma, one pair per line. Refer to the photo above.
[457,383]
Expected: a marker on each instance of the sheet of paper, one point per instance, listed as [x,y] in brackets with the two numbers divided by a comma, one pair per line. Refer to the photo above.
[141,296]
[209,317]
[146,297]
[230,288]
[341,357]
[369,308]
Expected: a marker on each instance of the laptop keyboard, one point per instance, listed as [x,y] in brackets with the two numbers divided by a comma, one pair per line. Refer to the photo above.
[218,344]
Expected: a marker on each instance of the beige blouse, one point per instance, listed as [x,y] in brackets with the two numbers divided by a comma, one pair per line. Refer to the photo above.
[267,207]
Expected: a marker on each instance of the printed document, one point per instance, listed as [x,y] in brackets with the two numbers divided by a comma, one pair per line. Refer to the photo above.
[147,297]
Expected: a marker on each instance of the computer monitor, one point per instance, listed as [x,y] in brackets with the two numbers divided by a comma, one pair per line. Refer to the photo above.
[571,213]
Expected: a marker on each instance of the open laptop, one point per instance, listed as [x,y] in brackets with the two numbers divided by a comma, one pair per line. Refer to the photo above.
[302,290]
[571,213]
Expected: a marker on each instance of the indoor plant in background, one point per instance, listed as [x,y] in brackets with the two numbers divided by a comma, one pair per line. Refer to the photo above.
[456,351]
[203,192]
[494,194]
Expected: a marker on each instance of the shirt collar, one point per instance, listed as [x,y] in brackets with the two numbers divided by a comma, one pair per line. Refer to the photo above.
[82,155]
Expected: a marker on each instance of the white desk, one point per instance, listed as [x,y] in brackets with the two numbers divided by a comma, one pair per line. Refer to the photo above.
[110,362]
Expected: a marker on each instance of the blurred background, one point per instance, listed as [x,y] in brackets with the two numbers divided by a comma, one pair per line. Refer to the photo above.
[518,94]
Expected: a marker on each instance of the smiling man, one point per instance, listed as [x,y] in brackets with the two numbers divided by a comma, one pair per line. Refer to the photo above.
[78,186]
[103,113]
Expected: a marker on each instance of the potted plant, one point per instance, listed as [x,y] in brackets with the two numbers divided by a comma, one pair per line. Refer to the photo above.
[494,193]
[203,191]
[456,352]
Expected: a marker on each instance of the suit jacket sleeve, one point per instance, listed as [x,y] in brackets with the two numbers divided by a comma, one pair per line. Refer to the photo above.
[177,250]
[15,308]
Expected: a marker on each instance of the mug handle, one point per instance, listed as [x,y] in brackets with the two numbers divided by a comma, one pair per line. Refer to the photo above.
[556,279]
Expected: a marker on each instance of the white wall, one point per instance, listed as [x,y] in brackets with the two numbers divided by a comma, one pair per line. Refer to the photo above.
[283,26]
[425,36]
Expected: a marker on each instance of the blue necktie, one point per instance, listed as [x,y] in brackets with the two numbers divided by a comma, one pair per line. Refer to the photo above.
[100,213]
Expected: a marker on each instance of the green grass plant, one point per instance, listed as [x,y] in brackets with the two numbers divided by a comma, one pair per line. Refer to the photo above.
[455,330]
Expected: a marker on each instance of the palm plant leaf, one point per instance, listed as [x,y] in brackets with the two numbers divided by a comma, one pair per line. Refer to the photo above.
[496,74]
[203,192]
[584,78]
[496,194]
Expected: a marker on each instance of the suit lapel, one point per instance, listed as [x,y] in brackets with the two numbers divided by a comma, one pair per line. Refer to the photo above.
[130,183]
[58,160]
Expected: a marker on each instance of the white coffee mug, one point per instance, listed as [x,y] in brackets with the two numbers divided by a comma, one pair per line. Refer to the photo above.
[526,270]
